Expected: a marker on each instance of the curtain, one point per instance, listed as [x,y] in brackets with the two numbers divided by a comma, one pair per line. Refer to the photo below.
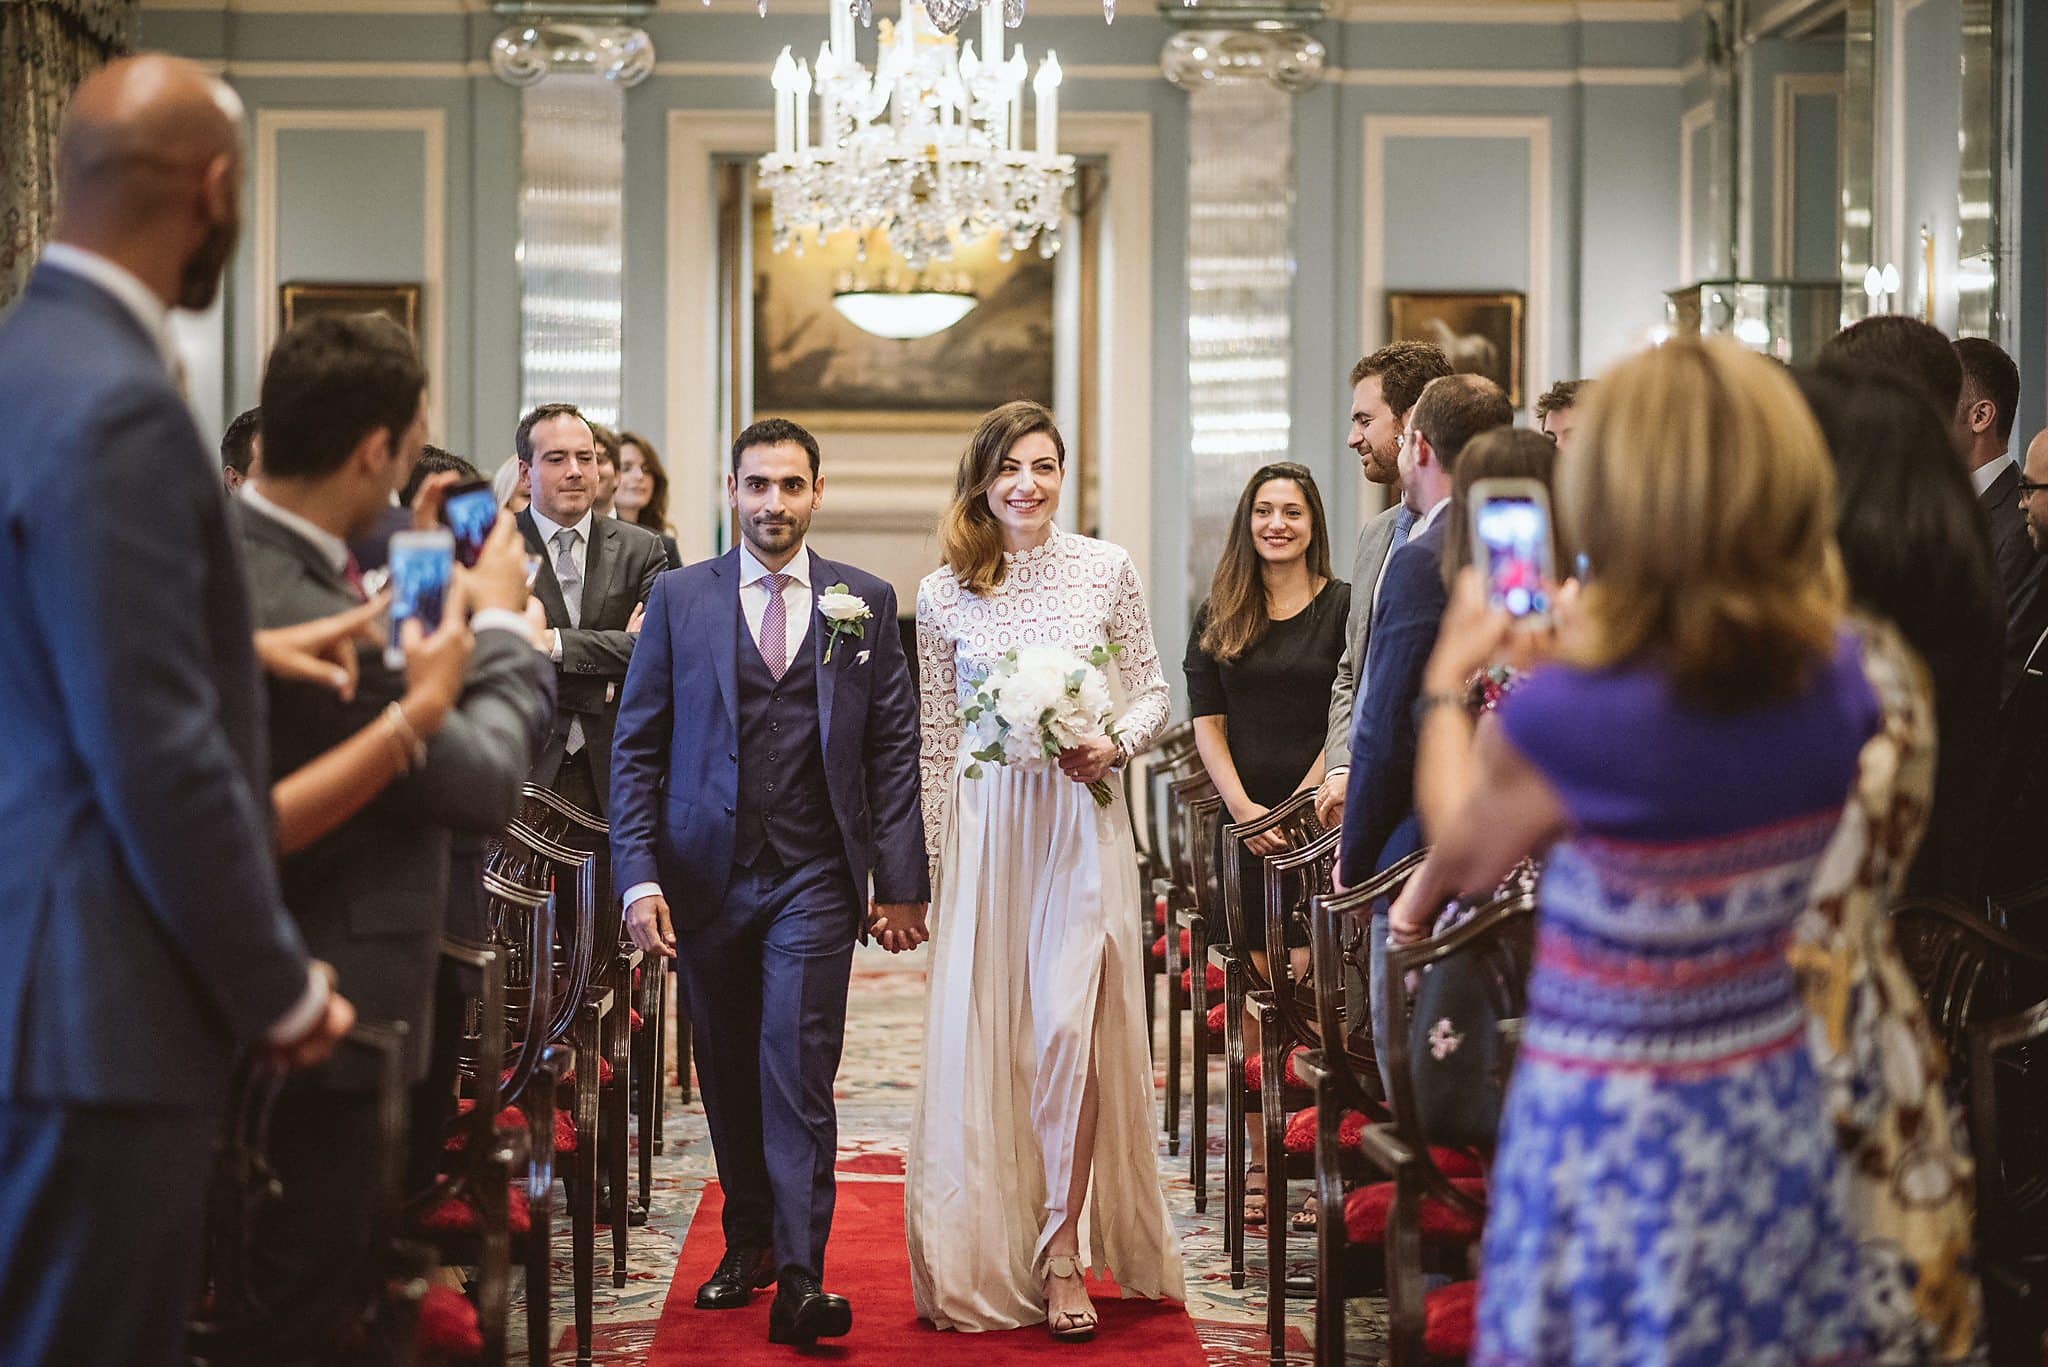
[46,48]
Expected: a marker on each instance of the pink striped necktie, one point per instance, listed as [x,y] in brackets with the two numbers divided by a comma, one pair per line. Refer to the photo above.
[775,627]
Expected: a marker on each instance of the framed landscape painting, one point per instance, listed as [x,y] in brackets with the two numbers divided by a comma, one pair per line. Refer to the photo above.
[399,302]
[808,359]
[1480,332]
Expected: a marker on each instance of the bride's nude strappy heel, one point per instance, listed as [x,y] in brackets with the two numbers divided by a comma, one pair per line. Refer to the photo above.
[1069,1326]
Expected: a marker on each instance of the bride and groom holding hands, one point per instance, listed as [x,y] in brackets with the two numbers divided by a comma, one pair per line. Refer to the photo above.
[772,765]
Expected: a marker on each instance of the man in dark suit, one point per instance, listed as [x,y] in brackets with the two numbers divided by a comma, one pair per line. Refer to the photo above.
[595,573]
[147,940]
[2016,866]
[1991,396]
[343,415]
[1380,825]
[1384,387]
[765,784]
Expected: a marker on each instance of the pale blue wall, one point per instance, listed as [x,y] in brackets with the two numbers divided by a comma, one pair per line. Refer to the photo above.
[1460,220]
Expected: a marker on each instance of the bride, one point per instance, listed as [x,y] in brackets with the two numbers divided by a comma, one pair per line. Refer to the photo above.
[1031,1155]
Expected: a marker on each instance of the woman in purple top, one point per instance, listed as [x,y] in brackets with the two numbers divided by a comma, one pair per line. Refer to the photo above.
[1666,1188]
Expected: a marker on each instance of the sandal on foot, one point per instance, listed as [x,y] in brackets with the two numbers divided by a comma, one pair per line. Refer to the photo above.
[1304,1220]
[1255,1216]
[1067,1326]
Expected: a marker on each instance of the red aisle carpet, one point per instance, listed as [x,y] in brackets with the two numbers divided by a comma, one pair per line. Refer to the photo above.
[868,1264]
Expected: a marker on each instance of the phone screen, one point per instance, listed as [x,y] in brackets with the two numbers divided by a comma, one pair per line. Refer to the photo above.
[422,563]
[1514,542]
[470,512]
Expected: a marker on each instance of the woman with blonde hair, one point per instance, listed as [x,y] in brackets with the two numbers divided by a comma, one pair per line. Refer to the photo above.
[1033,1102]
[1667,1187]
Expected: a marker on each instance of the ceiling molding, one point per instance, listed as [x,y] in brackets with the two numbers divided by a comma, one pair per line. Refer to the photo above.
[1347,11]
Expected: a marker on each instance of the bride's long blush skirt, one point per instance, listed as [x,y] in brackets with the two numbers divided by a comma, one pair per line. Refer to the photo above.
[1036,960]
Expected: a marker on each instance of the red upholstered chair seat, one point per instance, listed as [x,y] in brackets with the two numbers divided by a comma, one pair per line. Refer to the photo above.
[604,1073]
[1216,1028]
[1214,978]
[1159,911]
[447,1324]
[1447,1316]
[1301,1131]
[459,1215]
[1255,1070]
[1367,1209]
[511,1118]
[638,1023]
[1187,947]
[565,1132]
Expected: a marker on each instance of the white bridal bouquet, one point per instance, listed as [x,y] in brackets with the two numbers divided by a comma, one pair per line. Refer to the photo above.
[1036,702]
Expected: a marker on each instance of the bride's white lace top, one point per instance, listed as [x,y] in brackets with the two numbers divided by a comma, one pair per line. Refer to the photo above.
[1071,591]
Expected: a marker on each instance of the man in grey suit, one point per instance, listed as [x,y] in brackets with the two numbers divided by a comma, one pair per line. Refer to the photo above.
[343,421]
[595,573]
[1384,386]
[147,940]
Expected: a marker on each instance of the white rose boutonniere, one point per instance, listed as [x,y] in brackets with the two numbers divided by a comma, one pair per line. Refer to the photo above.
[846,614]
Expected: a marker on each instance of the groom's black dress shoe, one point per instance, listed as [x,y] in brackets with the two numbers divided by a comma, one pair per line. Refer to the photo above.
[805,1312]
[739,1273]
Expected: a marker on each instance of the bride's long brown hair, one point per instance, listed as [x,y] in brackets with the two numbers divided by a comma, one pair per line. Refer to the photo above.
[970,539]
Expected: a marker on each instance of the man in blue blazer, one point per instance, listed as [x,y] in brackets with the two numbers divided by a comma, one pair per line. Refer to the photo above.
[146,938]
[1380,825]
[764,770]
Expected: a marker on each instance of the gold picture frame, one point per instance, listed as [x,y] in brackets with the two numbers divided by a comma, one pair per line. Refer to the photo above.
[1481,331]
[398,301]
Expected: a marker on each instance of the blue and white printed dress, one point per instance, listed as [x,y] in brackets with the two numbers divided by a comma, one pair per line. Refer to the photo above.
[1666,1189]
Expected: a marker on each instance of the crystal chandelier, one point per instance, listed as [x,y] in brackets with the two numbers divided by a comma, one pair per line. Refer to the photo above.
[928,148]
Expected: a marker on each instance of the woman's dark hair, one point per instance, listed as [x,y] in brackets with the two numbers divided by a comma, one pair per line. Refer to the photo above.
[970,541]
[649,514]
[1917,552]
[1238,613]
[1503,453]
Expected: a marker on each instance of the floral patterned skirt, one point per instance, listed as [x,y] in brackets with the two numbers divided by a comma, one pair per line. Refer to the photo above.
[1680,1219]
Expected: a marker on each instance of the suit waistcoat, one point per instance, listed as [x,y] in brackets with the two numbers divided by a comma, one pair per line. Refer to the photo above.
[783,805]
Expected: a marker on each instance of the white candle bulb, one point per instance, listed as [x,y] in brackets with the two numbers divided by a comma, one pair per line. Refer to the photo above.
[802,110]
[1046,86]
[969,63]
[783,80]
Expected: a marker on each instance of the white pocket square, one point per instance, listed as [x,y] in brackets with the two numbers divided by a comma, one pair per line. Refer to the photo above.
[861,658]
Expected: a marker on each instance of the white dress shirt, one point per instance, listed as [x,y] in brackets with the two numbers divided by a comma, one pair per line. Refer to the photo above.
[797,597]
[1986,474]
[1428,519]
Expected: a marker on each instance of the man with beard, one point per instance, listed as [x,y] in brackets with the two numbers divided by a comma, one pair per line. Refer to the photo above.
[1384,386]
[147,939]
[2016,868]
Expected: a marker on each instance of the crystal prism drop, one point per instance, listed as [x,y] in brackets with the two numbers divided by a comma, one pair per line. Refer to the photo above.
[1109,11]
[866,12]
[1013,12]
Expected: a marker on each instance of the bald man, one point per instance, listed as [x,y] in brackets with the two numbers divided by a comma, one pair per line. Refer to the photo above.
[145,938]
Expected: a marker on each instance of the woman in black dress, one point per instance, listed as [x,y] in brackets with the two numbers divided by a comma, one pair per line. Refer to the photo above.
[1260,662]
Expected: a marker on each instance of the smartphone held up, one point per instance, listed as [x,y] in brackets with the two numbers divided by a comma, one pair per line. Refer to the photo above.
[1513,547]
[470,509]
[422,567]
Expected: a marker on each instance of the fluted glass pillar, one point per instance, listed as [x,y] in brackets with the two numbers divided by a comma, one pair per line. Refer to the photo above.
[1240,88]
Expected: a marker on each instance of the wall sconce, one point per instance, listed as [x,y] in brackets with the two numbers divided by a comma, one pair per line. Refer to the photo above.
[1882,286]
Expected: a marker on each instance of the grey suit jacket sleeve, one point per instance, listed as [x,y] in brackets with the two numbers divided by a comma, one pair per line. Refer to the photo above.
[114,594]
[606,654]
[1373,541]
[485,747]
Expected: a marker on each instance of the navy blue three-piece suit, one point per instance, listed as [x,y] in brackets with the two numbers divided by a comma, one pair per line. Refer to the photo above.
[762,807]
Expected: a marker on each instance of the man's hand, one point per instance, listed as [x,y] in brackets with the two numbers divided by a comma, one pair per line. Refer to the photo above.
[498,579]
[1090,760]
[898,925]
[1330,801]
[1411,917]
[322,651]
[647,923]
[428,498]
[634,622]
[317,1044]
[537,623]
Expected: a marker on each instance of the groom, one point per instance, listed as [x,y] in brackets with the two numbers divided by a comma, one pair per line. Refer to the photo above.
[763,783]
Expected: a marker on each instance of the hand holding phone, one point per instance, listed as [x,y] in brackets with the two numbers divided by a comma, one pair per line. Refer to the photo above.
[1512,546]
